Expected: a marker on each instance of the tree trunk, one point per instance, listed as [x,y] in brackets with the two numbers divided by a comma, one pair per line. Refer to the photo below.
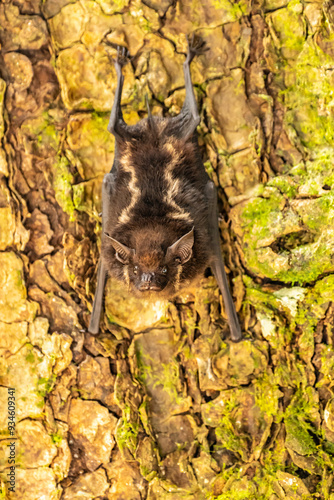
[161,405]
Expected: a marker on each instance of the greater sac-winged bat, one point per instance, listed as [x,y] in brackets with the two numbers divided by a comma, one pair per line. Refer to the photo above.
[159,207]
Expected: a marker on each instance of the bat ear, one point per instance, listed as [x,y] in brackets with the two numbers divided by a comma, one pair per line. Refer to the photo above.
[182,248]
[123,253]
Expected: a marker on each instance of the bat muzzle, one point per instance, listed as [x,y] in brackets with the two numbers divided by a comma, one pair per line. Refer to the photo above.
[148,282]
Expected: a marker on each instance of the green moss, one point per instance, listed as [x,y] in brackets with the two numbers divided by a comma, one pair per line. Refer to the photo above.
[62,184]
[45,385]
[142,412]
[79,201]
[96,130]
[271,313]
[227,432]
[260,487]
[170,380]
[42,131]
[259,215]
[186,353]
[323,291]
[208,167]
[267,395]
[308,262]
[138,18]
[40,403]
[236,9]
[304,260]
[319,213]
[310,92]
[138,103]
[166,375]
[20,278]
[288,26]
[56,438]
[327,366]
[127,431]
[144,365]
[298,437]
[285,184]
[30,357]
[119,5]
[298,419]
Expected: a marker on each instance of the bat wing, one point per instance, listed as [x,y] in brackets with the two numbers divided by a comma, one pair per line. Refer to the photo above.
[217,264]
[118,128]
[108,193]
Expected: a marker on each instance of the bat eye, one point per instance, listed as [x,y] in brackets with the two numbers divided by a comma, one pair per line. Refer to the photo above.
[164,270]
[135,270]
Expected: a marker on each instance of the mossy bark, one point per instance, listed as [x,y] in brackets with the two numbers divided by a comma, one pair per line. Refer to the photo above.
[161,404]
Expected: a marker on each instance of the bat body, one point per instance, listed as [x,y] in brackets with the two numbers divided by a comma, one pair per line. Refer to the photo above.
[160,188]
[159,207]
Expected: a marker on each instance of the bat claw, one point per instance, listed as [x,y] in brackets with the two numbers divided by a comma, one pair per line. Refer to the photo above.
[123,56]
[196,46]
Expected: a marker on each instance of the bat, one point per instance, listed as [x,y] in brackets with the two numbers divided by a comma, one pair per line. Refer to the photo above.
[159,207]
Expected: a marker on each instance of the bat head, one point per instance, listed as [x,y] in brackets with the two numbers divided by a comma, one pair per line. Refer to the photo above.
[152,266]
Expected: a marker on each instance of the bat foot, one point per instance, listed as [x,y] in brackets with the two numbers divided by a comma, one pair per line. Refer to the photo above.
[196,46]
[123,56]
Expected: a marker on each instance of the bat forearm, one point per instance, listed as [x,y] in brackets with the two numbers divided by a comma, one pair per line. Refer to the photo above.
[217,264]
[98,299]
[220,275]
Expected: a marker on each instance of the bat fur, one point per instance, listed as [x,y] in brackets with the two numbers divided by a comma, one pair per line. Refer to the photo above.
[160,198]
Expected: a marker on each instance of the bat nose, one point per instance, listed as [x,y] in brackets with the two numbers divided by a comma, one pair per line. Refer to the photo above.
[147,277]
[146,282]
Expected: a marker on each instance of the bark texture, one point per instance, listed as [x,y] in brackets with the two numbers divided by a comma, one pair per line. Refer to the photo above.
[161,405]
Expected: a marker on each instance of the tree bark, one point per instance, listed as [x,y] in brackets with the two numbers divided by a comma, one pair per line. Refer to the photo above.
[161,404]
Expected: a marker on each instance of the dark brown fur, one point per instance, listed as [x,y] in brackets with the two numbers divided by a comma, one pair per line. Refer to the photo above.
[154,223]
